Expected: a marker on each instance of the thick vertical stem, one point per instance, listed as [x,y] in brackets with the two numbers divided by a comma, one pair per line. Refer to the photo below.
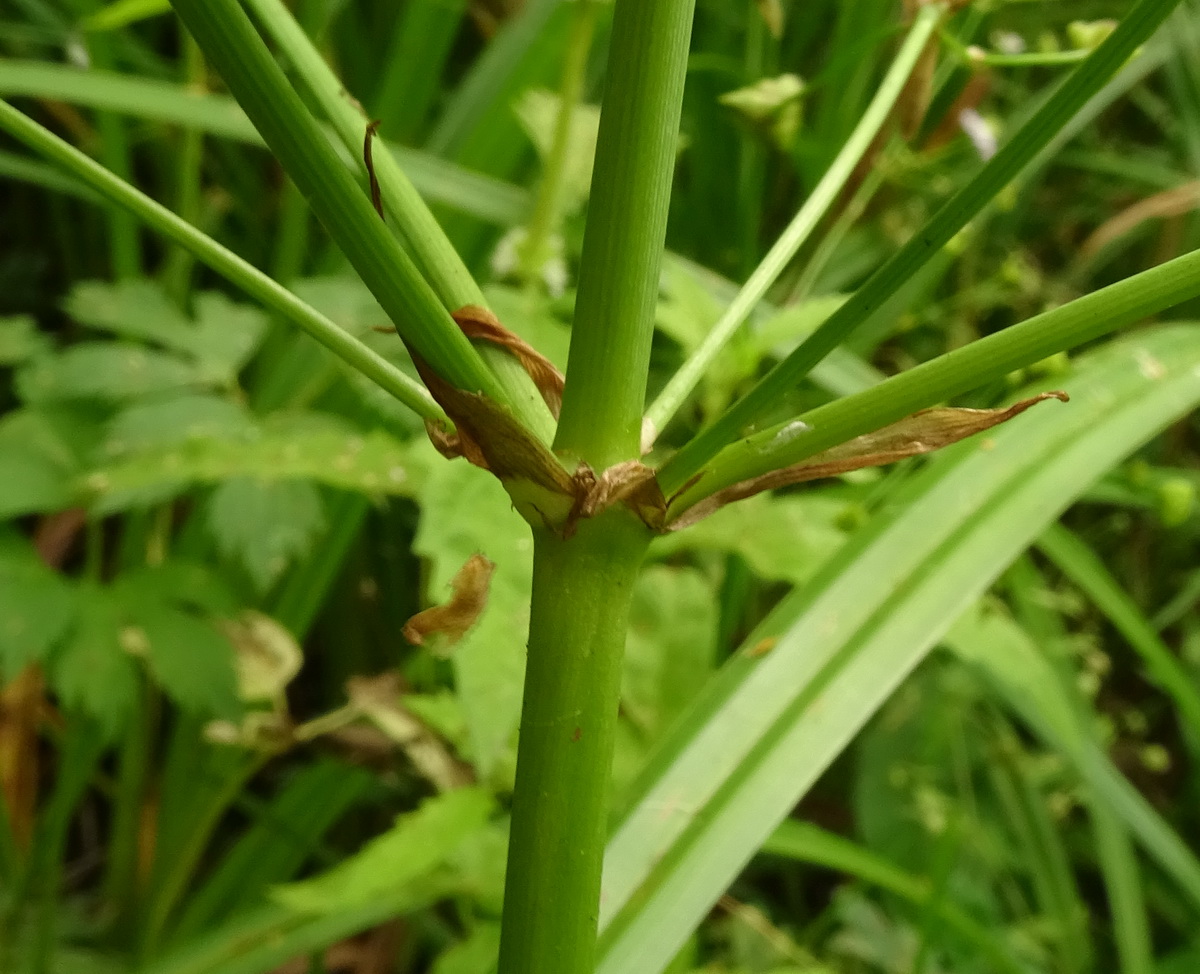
[627,219]
[582,585]
[581,595]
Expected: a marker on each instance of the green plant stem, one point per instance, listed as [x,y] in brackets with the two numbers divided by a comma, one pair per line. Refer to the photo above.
[444,182]
[230,43]
[1122,880]
[114,154]
[547,210]
[431,250]
[798,231]
[1012,158]
[167,893]
[974,56]
[79,751]
[579,614]
[252,281]
[623,244]
[951,375]
[419,231]
[178,270]
[582,586]
[120,878]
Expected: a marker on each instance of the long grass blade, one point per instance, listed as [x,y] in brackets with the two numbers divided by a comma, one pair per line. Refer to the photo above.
[767,727]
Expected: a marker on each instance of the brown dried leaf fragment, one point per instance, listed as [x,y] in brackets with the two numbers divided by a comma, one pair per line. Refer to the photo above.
[490,437]
[1174,202]
[369,162]
[380,700]
[481,324]
[631,482]
[922,432]
[453,619]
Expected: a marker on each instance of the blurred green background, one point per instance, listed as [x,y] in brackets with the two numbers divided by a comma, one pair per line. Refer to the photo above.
[211,533]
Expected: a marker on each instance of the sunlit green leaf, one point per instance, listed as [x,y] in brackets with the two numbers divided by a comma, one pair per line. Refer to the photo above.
[782,537]
[37,607]
[20,340]
[37,467]
[111,372]
[187,656]
[326,452]
[411,850]
[464,513]
[92,672]
[156,423]
[265,525]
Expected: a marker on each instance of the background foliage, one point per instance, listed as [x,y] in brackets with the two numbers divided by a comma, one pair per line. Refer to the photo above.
[218,753]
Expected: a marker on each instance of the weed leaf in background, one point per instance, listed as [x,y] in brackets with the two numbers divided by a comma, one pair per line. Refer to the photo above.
[37,607]
[265,525]
[408,853]
[20,340]
[219,338]
[108,372]
[92,673]
[37,464]
[319,449]
[463,514]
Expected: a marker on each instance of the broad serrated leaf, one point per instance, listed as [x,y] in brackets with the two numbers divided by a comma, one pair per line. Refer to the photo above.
[669,649]
[109,372]
[37,607]
[465,512]
[20,340]
[782,538]
[265,525]
[218,340]
[409,852]
[180,582]
[325,452]
[129,309]
[175,419]
[91,672]
[187,656]
[37,467]
[224,337]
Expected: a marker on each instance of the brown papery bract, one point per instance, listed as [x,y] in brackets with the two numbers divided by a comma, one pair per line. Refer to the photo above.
[453,619]
[922,432]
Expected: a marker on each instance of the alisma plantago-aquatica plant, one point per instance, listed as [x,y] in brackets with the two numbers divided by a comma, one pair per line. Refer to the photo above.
[571,452]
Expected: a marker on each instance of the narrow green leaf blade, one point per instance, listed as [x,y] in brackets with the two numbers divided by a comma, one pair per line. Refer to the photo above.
[768,727]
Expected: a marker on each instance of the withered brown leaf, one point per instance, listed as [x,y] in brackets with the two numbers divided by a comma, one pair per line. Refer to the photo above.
[453,619]
[379,699]
[922,432]
[481,324]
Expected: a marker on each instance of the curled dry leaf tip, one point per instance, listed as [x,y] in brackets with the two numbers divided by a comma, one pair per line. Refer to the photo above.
[453,619]
[922,432]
